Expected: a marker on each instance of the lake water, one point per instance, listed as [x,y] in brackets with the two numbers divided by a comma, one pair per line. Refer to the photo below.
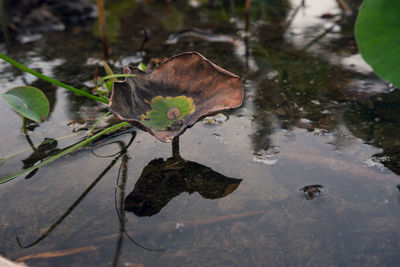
[314,114]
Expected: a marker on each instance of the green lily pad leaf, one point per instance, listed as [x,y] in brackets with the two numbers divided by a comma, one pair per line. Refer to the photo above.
[165,111]
[378,37]
[29,102]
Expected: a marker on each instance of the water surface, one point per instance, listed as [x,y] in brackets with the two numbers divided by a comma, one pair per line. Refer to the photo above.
[314,113]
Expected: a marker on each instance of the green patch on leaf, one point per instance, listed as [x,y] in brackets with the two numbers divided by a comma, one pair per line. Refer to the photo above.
[165,111]
[29,102]
[378,37]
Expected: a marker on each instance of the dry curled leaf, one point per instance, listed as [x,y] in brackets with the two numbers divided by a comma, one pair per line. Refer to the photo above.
[190,75]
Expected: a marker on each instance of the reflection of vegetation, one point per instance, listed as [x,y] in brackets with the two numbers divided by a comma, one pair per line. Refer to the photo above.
[298,90]
[83,195]
[47,148]
[115,11]
[162,180]
[377,122]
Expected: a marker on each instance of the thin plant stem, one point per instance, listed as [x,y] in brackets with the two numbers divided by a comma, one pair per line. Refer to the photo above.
[51,80]
[102,29]
[97,122]
[66,151]
[113,76]
[247,17]
[175,148]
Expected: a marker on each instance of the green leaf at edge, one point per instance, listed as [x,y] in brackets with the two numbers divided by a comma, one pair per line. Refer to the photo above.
[29,102]
[377,32]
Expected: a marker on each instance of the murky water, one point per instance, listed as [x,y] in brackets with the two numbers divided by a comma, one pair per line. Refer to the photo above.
[313,114]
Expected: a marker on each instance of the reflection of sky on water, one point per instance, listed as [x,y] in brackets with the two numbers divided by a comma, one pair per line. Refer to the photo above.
[307,22]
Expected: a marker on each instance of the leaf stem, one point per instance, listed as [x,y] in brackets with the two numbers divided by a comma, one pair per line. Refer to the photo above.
[24,131]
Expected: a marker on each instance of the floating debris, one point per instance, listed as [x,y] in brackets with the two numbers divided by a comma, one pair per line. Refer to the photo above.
[268,157]
[215,120]
[312,191]
[377,162]
[179,226]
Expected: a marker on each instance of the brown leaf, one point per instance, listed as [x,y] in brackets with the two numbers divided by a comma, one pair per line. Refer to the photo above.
[212,89]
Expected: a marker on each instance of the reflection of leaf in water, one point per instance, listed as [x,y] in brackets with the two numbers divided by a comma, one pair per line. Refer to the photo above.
[44,150]
[162,180]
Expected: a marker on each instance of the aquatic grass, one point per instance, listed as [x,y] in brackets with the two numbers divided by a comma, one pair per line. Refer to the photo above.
[90,138]
[66,151]
[90,133]
[112,77]
[51,80]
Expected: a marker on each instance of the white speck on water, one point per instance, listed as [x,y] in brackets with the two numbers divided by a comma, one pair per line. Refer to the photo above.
[179,226]
[305,121]
[272,74]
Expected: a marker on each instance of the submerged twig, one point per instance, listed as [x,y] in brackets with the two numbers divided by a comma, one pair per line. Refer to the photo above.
[345,7]
[57,253]
[319,37]
[247,17]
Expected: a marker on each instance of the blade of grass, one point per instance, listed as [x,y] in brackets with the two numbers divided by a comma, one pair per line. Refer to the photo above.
[90,133]
[51,80]
[112,77]
[65,152]
[108,70]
